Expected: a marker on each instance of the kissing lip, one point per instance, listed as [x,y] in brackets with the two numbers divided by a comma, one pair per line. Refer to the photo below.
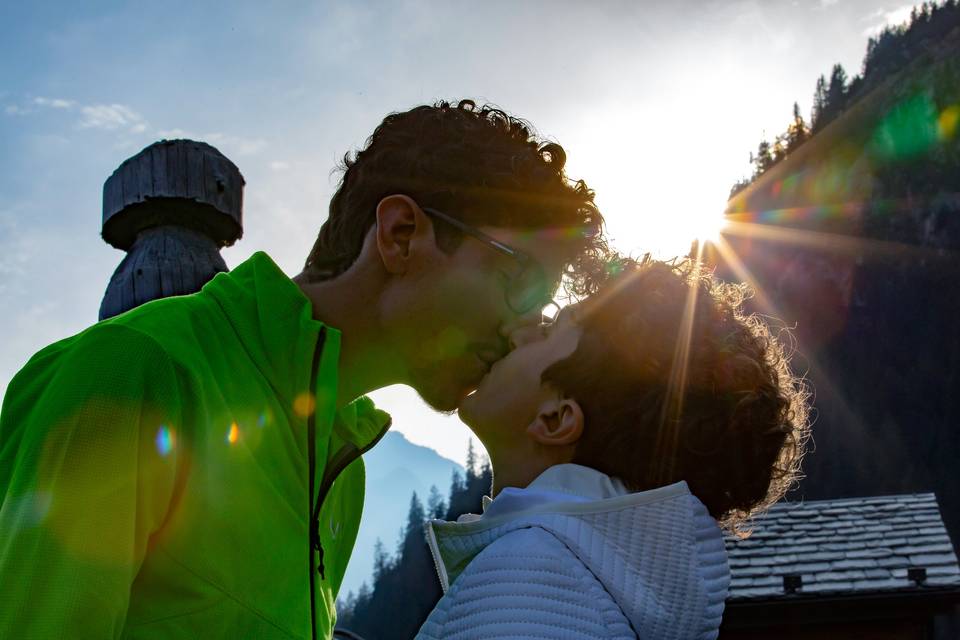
[489,356]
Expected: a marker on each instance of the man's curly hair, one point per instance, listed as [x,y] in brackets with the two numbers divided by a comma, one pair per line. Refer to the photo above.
[478,164]
[676,382]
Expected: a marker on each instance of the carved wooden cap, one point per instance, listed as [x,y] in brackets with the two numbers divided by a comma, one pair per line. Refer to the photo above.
[174,182]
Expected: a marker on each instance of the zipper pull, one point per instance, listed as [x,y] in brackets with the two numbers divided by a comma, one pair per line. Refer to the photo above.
[318,547]
[320,565]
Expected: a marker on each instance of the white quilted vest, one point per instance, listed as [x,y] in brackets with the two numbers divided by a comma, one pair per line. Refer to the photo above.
[657,553]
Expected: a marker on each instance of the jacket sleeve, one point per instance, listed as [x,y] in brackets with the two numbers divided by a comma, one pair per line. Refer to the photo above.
[526,584]
[88,455]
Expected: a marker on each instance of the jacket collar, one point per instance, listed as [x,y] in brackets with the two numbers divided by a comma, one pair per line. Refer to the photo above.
[658,553]
[562,483]
[273,320]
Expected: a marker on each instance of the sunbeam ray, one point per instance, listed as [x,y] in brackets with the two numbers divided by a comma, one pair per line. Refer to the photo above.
[833,242]
[667,434]
[816,374]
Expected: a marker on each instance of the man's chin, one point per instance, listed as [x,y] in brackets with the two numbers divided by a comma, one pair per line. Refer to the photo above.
[442,401]
[467,408]
[447,396]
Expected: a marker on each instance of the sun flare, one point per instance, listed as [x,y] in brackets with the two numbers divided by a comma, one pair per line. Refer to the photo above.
[666,231]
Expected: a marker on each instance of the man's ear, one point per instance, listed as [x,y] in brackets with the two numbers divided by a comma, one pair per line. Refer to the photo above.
[558,423]
[399,223]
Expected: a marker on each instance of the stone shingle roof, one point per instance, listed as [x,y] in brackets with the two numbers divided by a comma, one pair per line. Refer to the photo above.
[852,546]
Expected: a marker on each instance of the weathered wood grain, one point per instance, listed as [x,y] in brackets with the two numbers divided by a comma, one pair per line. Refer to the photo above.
[171,207]
[206,186]
[164,261]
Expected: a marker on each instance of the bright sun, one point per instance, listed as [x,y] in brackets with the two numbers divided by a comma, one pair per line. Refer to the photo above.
[655,195]
[666,229]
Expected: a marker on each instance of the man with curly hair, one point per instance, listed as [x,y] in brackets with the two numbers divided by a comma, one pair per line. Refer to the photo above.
[619,438]
[192,468]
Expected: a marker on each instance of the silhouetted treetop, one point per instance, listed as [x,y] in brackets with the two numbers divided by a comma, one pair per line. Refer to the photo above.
[887,54]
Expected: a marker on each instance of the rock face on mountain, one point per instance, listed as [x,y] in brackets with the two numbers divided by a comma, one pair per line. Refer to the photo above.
[853,240]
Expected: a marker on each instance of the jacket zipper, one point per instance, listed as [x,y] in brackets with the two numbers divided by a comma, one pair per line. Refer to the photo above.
[340,461]
[435,554]
[313,540]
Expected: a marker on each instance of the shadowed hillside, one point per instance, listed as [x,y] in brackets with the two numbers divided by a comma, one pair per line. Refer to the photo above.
[852,237]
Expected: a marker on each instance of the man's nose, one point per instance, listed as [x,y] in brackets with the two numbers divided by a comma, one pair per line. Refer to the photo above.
[522,329]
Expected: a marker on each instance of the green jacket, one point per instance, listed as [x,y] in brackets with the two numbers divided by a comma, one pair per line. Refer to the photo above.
[155,471]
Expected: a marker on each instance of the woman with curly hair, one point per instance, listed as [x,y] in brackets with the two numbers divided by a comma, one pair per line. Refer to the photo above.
[623,437]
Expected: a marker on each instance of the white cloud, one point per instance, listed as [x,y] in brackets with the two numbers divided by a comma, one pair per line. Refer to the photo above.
[828,3]
[55,103]
[279,165]
[14,110]
[112,117]
[228,144]
[887,19]
[236,144]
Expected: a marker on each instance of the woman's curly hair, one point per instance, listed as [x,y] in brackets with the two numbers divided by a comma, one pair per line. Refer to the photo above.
[676,382]
[478,164]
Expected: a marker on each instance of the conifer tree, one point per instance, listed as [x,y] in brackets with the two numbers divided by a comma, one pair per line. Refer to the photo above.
[413,530]
[797,132]
[779,149]
[819,103]
[435,503]
[456,482]
[381,562]
[764,158]
[836,93]
[471,467]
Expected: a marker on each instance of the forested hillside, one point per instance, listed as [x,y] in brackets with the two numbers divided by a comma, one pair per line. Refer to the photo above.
[896,48]
[851,238]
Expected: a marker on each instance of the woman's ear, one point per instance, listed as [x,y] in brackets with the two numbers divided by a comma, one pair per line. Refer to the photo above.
[399,221]
[558,423]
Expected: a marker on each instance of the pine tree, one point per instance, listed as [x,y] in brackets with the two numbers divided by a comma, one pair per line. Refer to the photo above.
[471,468]
[413,530]
[819,103]
[764,158]
[381,561]
[456,482]
[779,149]
[364,593]
[836,93]
[797,132]
[435,503]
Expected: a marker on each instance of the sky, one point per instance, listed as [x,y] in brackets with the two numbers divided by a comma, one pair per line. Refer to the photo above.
[657,104]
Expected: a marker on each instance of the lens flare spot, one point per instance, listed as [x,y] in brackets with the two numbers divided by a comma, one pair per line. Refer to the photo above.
[28,509]
[165,440]
[451,342]
[909,129]
[265,418]
[947,122]
[304,404]
[614,267]
[233,433]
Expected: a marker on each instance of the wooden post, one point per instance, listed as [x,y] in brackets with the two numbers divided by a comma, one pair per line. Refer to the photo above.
[171,207]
